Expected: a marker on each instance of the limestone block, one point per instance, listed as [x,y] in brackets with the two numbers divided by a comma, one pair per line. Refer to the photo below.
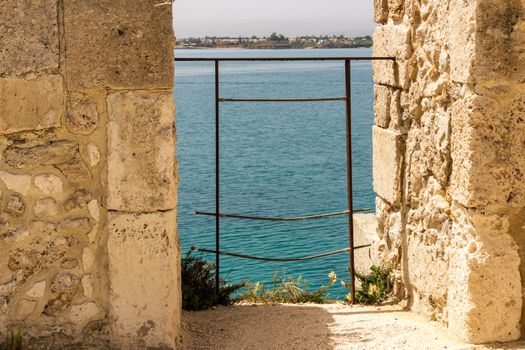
[382,98]
[392,41]
[462,39]
[380,11]
[387,164]
[49,184]
[141,152]
[63,155]
[28,36]
[130,44]
[45,207]
[484,302]
[365,232]
[144,265]
[396,9]
[82,115]
[17,183]
[30,104]
[38,290]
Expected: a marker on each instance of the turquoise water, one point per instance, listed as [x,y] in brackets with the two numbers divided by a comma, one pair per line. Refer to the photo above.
[276,159]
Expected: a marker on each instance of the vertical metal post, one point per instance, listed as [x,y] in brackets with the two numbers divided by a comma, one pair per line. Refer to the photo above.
[348,101]
[217,180]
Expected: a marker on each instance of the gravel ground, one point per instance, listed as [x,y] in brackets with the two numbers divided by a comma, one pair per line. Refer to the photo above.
[331,326]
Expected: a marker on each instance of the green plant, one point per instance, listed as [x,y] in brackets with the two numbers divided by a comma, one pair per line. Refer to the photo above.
[14,341]
[285,290]
[198,284]
[375,287]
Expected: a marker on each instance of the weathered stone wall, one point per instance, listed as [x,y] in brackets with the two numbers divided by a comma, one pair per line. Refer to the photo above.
[449,160]
[89,250]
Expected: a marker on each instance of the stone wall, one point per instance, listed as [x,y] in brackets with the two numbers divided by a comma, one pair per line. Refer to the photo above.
[449,160]
[89,250]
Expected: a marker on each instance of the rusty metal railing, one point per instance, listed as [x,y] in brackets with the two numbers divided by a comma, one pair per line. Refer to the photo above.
[348,106]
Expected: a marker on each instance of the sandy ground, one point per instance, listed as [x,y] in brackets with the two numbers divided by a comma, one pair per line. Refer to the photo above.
[332,326]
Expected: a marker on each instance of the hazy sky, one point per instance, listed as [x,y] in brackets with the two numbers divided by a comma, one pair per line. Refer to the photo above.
[262,17]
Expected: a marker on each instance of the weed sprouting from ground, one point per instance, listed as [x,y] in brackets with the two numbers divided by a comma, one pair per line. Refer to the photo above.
[285,290]
[375,287]
[198,284]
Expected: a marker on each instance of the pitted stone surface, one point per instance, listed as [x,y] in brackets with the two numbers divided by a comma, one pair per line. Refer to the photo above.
[387,164]
[82,115]
[135,46]
[137,243]
[141,164]
[28,36]
[64,155]
[30,104]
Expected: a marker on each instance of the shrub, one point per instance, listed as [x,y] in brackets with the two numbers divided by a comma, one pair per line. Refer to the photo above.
[198,284]
[375,287]
[285,290]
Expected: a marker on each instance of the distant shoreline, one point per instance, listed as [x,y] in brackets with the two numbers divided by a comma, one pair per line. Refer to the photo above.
[269,48]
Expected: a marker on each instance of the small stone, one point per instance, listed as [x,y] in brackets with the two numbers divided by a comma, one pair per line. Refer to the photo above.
[43,228]
[38,290]
[93,154]
[92,235]
[83,312]
[94,210]
[24,308]
[16,235]
[78,199]
[60,241]
[50,184]
[82,116]
[81,224]
[15,205]
[68,263]
[64,282]
[45,207]
[88,258]
[17,183]
[87,285]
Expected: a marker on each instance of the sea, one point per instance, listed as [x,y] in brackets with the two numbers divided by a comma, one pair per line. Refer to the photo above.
[276,160]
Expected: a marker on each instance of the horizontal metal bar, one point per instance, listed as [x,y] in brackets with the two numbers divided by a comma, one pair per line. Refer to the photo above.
[262,59]
[244,256]
[308,217]
[282,99]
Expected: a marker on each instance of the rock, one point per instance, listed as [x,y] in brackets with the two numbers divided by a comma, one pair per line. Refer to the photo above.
[45,207]
[15,204]
[141,166]
[49,184]
[38,290]
[68,263]
[88,258]
[82,116]
[387,164]
[94,210]
[80,225]
[93,153]
[15,235]
[43,228]
[84,312]
[64,155]
[64,282]
[143,257]
[30,104]
[17,183]
[382,97]
[25,308]
[87,286]
[78,199]
[137,50]
[29,37]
